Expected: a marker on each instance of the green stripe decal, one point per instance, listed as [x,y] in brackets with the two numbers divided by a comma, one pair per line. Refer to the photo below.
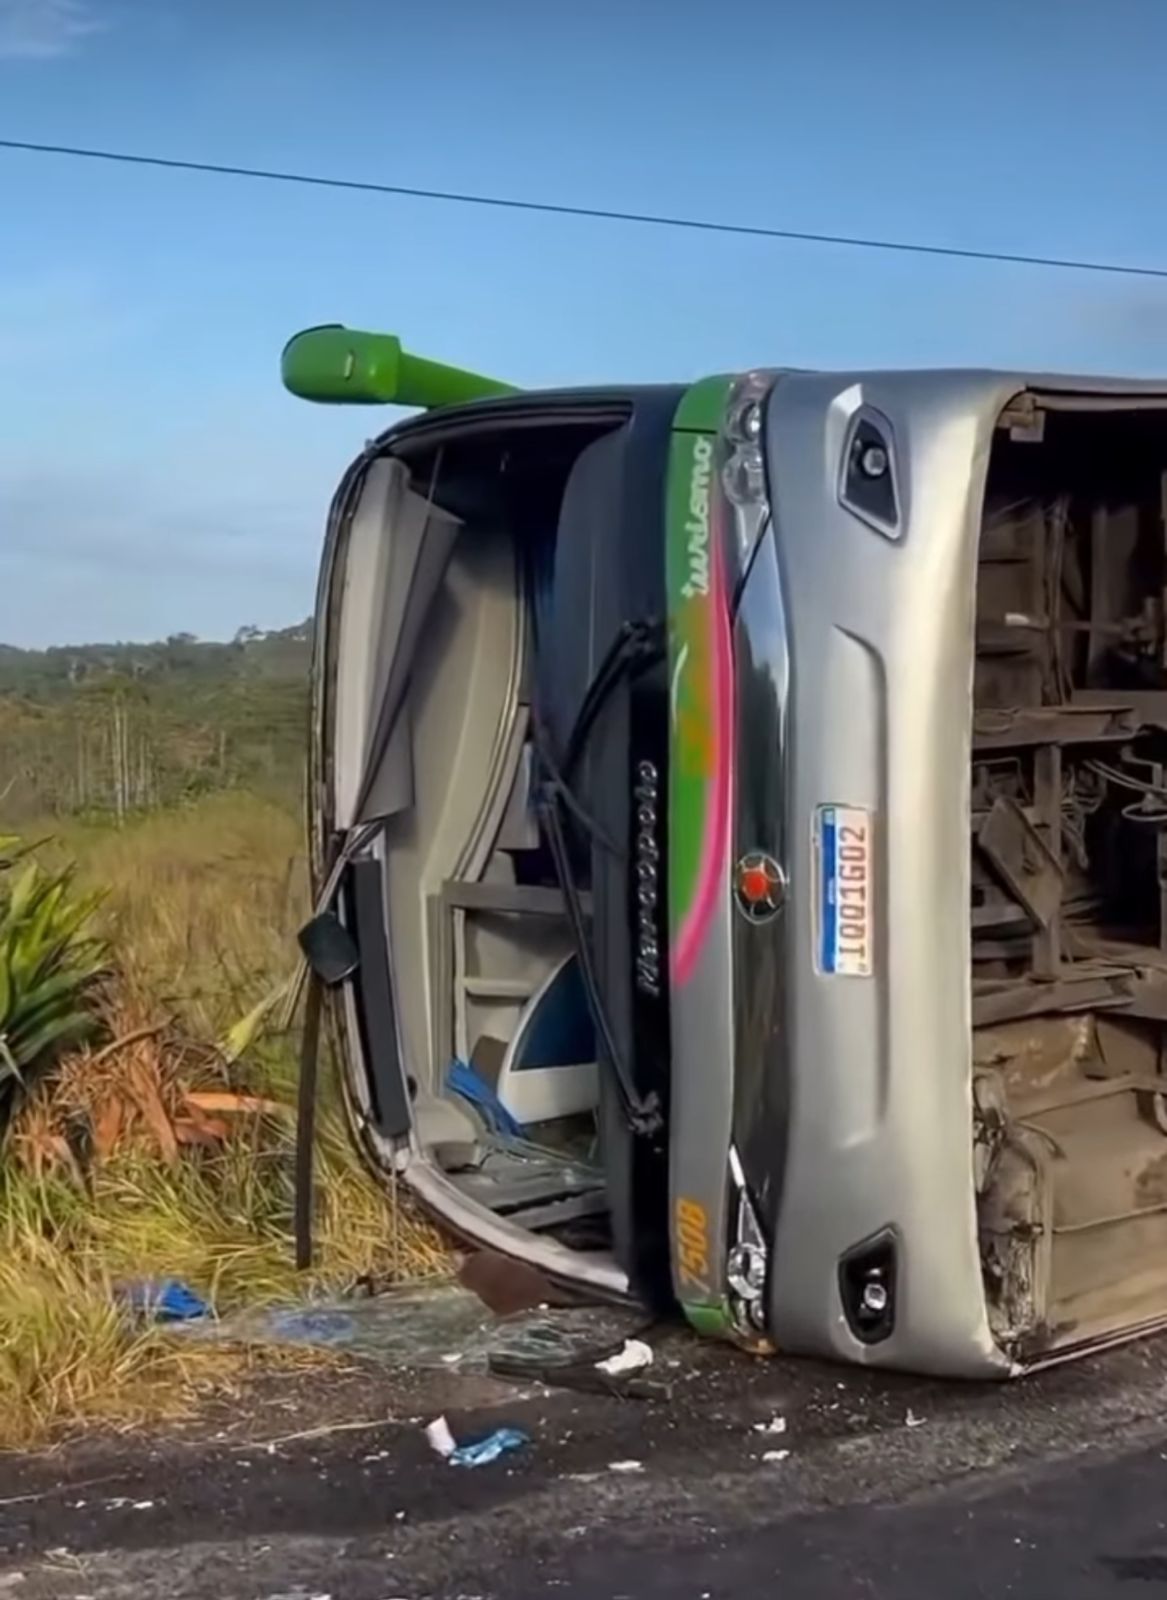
[702,407]
[700,675]
[712,1322]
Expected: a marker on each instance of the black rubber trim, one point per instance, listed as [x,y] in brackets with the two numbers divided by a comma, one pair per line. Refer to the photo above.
[376,1011]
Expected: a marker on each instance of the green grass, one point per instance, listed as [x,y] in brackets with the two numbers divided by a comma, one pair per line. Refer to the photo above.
[199,909]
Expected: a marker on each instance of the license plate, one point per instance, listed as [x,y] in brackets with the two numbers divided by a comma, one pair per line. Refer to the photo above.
[844,850]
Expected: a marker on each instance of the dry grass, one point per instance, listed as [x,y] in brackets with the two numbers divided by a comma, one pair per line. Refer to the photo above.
[202,904]
[69,1355]
[112,1172]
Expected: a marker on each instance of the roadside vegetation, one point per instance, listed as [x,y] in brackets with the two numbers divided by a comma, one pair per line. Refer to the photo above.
[146,1122]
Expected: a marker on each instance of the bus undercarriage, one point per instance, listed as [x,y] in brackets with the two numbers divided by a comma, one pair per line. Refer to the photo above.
[1069,874]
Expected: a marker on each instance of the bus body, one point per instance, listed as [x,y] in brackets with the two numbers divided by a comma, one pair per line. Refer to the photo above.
[748,802]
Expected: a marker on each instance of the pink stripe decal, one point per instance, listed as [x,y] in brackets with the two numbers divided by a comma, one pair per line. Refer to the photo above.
[715,841]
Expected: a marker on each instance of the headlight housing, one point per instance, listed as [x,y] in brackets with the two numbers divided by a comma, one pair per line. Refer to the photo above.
[742,462]
[747,1265]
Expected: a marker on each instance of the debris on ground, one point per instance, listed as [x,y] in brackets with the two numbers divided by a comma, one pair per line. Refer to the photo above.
[496,1444]
[774,1456]
[626,1466]
[163,1300]
[551,1355]
[913,1421]
[440,1438]
[506,1286]
[312,1325]
[634,1356]
[582,1376]
[476,1453]
[775,1425]
[436,1327]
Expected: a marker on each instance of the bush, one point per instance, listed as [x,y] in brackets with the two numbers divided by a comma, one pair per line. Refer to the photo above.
[50,962]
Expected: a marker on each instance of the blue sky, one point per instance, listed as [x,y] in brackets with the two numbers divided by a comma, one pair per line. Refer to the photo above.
[153,476]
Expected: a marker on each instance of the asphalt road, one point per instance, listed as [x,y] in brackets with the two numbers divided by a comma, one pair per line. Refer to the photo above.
[1055,1486]
[1074,1531]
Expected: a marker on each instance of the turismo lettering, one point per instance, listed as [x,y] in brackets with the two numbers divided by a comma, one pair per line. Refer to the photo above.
[697,527]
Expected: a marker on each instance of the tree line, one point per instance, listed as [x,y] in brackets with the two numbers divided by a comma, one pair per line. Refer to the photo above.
[113,730]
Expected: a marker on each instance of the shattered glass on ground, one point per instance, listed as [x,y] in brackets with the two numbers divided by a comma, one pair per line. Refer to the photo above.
[444,1327]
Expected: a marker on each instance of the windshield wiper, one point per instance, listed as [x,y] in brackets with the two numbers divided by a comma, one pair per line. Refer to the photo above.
[637,644]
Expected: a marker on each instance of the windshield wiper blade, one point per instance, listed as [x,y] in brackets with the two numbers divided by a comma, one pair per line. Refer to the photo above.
[636,645]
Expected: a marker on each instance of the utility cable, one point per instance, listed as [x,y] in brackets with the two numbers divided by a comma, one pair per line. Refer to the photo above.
[550,208]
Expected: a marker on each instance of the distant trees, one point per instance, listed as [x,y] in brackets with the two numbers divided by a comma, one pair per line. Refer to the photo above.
[116,729]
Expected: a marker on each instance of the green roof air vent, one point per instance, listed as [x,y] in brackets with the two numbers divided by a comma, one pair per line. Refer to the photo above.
[341,366]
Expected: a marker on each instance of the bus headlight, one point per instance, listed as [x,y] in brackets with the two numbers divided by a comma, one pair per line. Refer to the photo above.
[745,410]
[743,477]
[743,465]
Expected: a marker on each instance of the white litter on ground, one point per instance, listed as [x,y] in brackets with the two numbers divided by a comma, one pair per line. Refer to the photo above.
[913,1421]
[776,1455]
[440,1438]
[626,1466]
[634,1357]
[775,1425]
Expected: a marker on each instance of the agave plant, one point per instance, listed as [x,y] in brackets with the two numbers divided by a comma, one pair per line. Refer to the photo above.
[49,962]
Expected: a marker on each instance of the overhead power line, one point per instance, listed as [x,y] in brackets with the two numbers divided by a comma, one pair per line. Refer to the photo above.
[551,208]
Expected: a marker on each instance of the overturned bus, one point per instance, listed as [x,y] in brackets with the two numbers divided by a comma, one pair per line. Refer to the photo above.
[747,803]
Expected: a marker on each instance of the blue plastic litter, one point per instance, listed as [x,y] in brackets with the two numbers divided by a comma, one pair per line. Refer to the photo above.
[489,1449]
[466,1082]
[165,1300]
